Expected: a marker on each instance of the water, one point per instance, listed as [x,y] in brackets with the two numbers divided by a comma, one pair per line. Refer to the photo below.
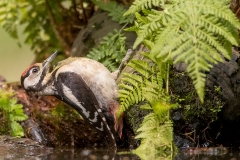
[41,153]
[62,154]
[215,153]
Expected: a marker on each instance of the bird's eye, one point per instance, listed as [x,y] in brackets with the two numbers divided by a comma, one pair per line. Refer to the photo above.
[34,70]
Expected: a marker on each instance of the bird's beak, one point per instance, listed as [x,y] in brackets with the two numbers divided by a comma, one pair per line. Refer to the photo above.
[47,62]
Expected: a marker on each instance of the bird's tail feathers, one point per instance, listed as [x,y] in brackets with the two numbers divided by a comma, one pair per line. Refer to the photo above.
[118,120]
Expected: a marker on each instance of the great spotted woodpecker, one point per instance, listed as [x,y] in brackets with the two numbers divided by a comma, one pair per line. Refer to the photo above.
[84,84]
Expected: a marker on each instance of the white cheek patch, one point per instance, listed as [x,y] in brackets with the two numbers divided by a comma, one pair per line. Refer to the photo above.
[31,81]
[68,93]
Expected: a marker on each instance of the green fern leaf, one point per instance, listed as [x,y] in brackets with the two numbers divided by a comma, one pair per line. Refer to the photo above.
[126,87]
[137,78]
[218,27]
[123,92]
[149,28]
[211,39]
[160,134]
[131,81]
[140,66]
[161,39]
[146,106]
[161,109]
[206,36]
[9,19]
[222,11]
[12,111]
[132,28]
[143,4]
[146,85]
[16,129]
[115,10]
[110,51]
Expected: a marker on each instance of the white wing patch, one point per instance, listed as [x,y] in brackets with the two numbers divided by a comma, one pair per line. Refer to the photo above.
[95,117]
[72,98]
[101,129]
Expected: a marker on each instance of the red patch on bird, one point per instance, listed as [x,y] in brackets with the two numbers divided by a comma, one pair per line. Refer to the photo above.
[25,72]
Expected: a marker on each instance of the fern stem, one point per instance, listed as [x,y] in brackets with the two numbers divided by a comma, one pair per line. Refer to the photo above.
[123,27]
[167,79]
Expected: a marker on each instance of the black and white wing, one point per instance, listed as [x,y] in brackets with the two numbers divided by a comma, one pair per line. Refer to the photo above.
[73,90]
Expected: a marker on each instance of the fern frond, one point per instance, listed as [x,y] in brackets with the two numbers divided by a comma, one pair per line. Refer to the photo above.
[115,11]
[31,15]
[199,33]
[141,66]
[161,109]
[109,64]
[165,41]
[126,87]
[16,129]
[132,28]
[141,19]
[110,51]
[154,23]
[143,4]
[219,27]
[160,134]
[222,11]
[9,18]
[163,36]
[122,93]
[137,78]
[204,34]
[129,95]
[13,112]
[146,84]
[130,80]
[213,40]
[146,106]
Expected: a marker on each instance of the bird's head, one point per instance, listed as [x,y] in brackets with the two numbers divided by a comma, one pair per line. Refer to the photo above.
[32,78]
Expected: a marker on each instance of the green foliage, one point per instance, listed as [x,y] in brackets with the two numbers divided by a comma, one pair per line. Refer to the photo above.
[30,14]
[115,11]
[110,51]
[58,111]
[148,84]
[161,137]
[199,33]
[12,113]
[62,112]
[9,18]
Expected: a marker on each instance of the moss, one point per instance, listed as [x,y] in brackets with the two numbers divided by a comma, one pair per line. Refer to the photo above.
[184,93]
[135,116]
